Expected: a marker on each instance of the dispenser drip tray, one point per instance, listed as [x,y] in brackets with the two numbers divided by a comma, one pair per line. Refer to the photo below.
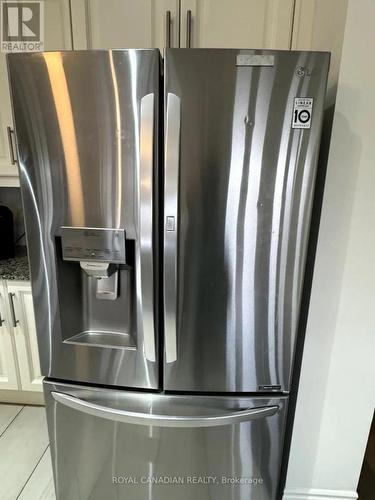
[96,338]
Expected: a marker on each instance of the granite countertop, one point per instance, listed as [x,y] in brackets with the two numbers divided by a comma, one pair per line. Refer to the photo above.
[16,268]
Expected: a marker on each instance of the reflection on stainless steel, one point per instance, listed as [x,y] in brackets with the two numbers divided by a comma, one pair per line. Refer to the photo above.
[170,437]
[118,137]
[245,188]
[78,124]
[64,112]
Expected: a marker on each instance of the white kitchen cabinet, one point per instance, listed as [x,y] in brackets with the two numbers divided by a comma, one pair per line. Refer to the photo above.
[214,23]
[263,24]
[8,359]
[19,358]
[8,167]
[21,313]
[124,23]
[320,25]
[57,35]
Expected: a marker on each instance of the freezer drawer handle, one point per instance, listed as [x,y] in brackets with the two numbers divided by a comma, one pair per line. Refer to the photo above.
[131,417]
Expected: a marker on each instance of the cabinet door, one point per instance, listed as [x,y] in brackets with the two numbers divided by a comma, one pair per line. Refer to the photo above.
[8,363]
[116,24]
[57,35]
[320,25]
[252,24]
[8,168]
[22,314]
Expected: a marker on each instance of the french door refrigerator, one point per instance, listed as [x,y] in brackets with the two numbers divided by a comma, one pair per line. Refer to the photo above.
[167,207]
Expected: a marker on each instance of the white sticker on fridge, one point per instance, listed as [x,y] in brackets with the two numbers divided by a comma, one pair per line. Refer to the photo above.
[302,112]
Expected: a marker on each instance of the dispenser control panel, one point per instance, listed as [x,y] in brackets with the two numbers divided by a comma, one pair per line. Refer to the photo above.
[86,243]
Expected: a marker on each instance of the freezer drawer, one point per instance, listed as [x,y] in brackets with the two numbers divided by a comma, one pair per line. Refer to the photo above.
[111,444]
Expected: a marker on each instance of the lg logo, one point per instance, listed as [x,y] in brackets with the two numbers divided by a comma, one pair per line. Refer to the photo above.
[22,26]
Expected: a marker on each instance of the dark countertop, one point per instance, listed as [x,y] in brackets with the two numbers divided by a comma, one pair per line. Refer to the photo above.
[16,268]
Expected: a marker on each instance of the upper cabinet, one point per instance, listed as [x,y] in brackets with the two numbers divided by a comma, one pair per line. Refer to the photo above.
[264,24]
[181,23]
[103,24]
[320,25]
[99,24]
[57,30]
[57,36]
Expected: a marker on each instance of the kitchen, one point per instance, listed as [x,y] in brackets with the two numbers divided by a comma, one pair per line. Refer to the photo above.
[98,25]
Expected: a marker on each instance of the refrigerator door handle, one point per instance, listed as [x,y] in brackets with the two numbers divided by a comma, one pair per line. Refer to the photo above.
[138,418]
[172,160]
[144,244]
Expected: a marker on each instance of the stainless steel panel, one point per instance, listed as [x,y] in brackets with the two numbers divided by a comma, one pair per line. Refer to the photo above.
[82,119]
[114,444]
[244,197]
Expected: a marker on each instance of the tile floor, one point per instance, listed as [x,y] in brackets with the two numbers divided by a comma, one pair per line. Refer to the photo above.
[25,463]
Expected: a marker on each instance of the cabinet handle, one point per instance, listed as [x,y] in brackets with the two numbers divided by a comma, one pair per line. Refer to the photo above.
[1,318]
[10,133]
[188,29]
[14,319]
[168,29]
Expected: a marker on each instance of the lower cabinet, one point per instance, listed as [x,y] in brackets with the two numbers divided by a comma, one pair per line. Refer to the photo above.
[8,364]
[19,359]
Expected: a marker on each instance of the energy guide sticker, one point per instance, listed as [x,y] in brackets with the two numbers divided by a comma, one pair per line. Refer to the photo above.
[302,112]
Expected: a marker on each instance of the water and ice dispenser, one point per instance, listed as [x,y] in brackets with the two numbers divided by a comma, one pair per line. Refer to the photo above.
[96,274]
[99,253]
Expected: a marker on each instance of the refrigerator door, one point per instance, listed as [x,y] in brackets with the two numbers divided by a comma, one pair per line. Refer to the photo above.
[242,131]
[86,126]
[114,444]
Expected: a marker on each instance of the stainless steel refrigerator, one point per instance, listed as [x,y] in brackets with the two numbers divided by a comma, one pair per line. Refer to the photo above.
[167,205]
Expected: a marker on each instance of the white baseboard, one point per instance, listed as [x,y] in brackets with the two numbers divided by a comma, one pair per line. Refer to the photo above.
[318,494]
[22,397]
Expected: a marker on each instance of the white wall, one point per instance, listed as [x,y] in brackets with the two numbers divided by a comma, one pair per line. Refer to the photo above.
[337,388]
